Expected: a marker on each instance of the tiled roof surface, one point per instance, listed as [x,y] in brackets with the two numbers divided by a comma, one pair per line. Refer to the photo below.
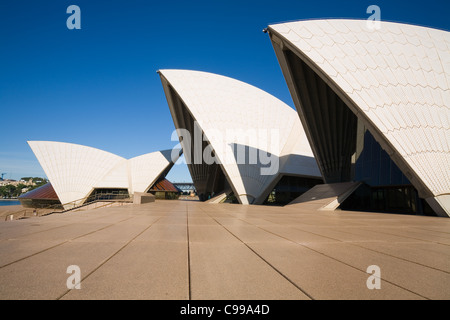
[398,77]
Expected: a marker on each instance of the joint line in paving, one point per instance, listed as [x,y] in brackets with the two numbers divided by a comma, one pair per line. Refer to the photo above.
[60,244]
[267,262]
[110,257]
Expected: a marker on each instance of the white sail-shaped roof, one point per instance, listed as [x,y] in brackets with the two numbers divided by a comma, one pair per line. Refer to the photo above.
[229,111]
[395,79]
[145,170]
[75,170]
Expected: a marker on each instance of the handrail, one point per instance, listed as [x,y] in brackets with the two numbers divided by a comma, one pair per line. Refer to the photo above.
[75,204]
[92,198]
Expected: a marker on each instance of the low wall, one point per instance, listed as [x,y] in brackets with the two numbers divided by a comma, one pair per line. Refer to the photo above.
[141,198]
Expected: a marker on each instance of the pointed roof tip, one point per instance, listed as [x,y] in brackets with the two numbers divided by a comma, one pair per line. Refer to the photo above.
[168,154]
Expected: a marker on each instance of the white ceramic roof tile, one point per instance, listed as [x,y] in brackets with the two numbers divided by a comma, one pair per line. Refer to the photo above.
[368,99]
[286,29]
[365,78]
[305,47]
[430,77]
[315,29]
[352,79]
[397,111]
[294,37]
[354,26]
[316,56]
[427,42]
[339,79]
[391,61]
[432,54]
[437,120]
[401,60]
[387,37]
[403,75]
[380,96]
[421,78]
[413,40]
[326,40]
[413,62]
[408,30]
[315,43]
[302,32]
[339,39]
[328,28]
[342,28]
[328,68]
[400,38]
[338,64]
[379,60]
[350,38]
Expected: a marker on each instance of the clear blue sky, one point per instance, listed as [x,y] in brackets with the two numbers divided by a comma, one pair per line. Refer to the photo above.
[98,86]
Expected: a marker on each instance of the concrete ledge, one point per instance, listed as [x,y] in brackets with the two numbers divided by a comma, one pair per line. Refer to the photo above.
[141,198]
[326,197]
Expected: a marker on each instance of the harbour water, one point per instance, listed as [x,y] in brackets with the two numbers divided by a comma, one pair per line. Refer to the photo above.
[13,202]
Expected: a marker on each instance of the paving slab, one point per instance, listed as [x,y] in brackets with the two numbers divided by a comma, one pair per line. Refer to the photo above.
[296,235]
[234,272]
[428,254]
[192,250]
[142,270]
[322,277]
[425,281]
[44,275]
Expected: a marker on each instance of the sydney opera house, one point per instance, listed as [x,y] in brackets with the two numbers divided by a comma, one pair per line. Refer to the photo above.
[77,173]
[375,107]
[239,121]
[372,108]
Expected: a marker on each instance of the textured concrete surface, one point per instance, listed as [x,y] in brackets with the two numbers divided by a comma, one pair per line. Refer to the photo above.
[326,196]
[191,250]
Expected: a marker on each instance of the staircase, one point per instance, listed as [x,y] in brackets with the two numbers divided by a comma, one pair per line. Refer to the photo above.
[326,196]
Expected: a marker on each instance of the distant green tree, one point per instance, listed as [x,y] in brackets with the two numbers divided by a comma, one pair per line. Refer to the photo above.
[3,191]
[38,183]
[8,191]
[35,179]
[19,188]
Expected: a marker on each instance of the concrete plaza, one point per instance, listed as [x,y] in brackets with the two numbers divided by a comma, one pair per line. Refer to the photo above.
[192,250]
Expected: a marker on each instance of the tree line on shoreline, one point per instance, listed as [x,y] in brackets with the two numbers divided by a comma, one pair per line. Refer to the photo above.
[14,191]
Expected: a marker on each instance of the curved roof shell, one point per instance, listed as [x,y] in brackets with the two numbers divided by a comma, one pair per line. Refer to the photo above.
[395,79]
[75,170]
[232,115]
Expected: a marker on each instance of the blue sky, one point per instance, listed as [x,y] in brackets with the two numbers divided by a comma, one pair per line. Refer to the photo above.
[98,86]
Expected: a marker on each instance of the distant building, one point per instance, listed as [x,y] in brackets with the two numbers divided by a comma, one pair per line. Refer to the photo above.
[164,189]
[7,182]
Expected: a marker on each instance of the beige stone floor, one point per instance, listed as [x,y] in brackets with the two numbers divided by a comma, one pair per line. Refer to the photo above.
[192,250]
